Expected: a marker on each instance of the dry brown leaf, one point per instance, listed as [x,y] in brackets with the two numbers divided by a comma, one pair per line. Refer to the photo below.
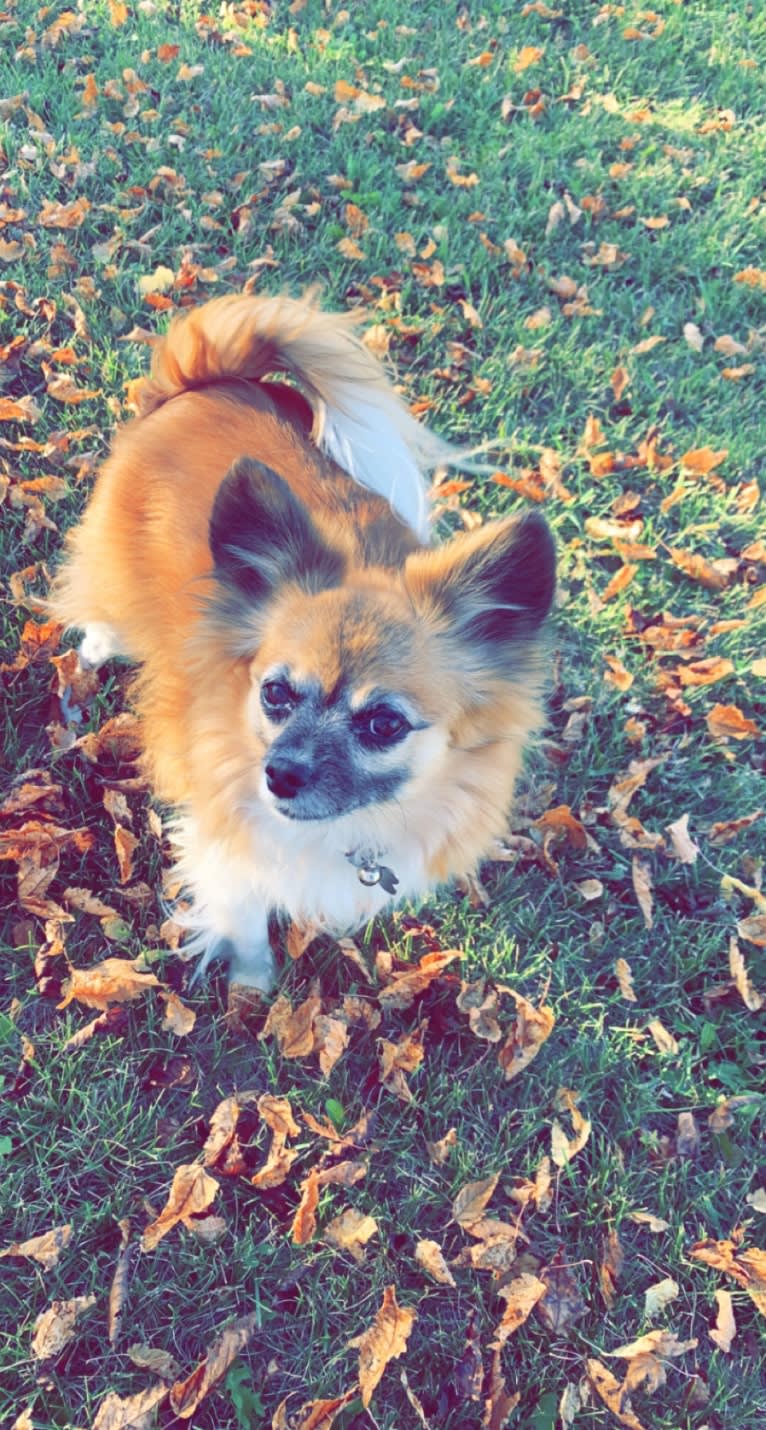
[536,1193]
[499,1404]
[725,1328]
[563,1302]
[641,875]
[118,1413]
[521,1296]
[611,1391]
[55,1327]
[330,1041]
[610,1267]
[624,976]
[405,987]
[396,1059]
[178,1019]
[527,55]
[654,1223]
[726,722]
[45,1248]
[664,1040]
[343,1174]
[660,1343]
[660,1295]
[115,980]
[750,996]
[687,1135]
[385,1341]
[728,829]
[299,938]
[471,1200]
[481,1008]
[153,1358]
[187,1394]
[561,824]
[313,1415]
[564,1148]
[526,1036]
[350,1231]
[119,1288]
[439,1152]
[684,848]
[699,569]
[222,1148]
[430,1256]
[753,929]
[191,1192]
[305,1222]
[702,460]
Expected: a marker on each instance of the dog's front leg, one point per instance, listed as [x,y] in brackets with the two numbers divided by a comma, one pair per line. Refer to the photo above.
[251,961]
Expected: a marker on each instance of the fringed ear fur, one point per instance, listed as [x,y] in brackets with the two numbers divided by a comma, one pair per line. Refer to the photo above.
[262,537]
[494,586]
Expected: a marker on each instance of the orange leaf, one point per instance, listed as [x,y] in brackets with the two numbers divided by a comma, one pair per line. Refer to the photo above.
[702,460]
[471,1200]
[620,580]
[385,1340]
[53,215]
[699,569]
[526,1037]
[115,980]
[191,1192]
[405,987]
[528,55]
[611,1391]
[704,672]
[561,823]
[90,91]
[187,1394]
[521,1295]
[396,1059]
[728,722]
[305,1222]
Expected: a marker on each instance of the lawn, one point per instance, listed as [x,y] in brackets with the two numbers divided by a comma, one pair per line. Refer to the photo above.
[553,217]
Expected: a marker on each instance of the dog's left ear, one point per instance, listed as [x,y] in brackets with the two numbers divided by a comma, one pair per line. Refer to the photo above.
[262,536]
[492,587]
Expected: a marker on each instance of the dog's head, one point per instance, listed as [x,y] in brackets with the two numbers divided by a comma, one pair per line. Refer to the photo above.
[364,679]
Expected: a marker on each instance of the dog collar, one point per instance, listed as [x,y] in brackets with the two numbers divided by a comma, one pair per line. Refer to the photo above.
[370,871]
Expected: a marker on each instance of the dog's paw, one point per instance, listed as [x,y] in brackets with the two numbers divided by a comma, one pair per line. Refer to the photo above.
[98,644]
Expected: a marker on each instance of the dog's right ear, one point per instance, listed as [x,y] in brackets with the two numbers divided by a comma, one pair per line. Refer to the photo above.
[262,537]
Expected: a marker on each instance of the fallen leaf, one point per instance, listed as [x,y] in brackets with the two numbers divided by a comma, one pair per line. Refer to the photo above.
[191,1192]
[384,1341]
[187,1394]
[655,1224]
[330,1041]
[154,1359]
[118,1413]
[471,1200]
[304,1221]
[118,1290]
[699,569]
[481,1007]
[660,1343]
[757,1200]
[642,886]
[611,1392]
[750,996]
[499,1404]
[115,980]
[439,1152]
[564,1148]
[521,1296]
[55,1327]
[725,1328]
[313,1415]
[687,1135]
[726,722]
[660,1295]
[430,1256]
[222,1149]
[753,929]
[526,1036]
[624,977]
[610,1267]
[528,55]
[684,848]
[664,1040]
[563,1302]
[405,987]
[728,829]
[178,1019]
[396,1059]
[350,1231]
[45,1248]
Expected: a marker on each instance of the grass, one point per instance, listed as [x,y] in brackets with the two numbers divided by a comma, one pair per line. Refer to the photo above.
[97,1134]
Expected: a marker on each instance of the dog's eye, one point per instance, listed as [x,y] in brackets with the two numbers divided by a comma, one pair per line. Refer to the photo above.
[278,699]
[381,726]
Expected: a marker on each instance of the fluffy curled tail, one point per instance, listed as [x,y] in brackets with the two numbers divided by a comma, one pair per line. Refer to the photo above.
[359,420]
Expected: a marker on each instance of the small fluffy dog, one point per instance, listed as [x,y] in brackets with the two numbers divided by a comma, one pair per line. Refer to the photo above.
[336,710]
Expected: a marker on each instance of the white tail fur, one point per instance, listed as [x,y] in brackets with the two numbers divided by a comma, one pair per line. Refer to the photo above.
[359,420]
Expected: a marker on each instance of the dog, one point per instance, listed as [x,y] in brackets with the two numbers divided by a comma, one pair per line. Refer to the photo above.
[336,710]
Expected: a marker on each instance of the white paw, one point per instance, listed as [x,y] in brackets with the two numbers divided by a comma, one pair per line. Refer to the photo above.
[252,968]
[99,643]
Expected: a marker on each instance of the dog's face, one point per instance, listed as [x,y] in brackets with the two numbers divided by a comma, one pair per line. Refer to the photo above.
[362,678]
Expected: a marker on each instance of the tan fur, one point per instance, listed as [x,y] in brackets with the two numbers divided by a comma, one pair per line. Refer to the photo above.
[140,561]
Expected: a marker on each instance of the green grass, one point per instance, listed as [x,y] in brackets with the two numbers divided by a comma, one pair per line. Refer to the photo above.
[94,1136]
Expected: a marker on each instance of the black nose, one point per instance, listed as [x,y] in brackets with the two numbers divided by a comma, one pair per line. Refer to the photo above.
[285,777]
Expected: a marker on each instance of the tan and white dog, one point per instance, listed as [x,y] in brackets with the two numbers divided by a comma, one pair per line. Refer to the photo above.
[336,711]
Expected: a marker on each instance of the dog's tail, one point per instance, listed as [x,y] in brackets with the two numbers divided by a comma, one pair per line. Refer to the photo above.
[359,420]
